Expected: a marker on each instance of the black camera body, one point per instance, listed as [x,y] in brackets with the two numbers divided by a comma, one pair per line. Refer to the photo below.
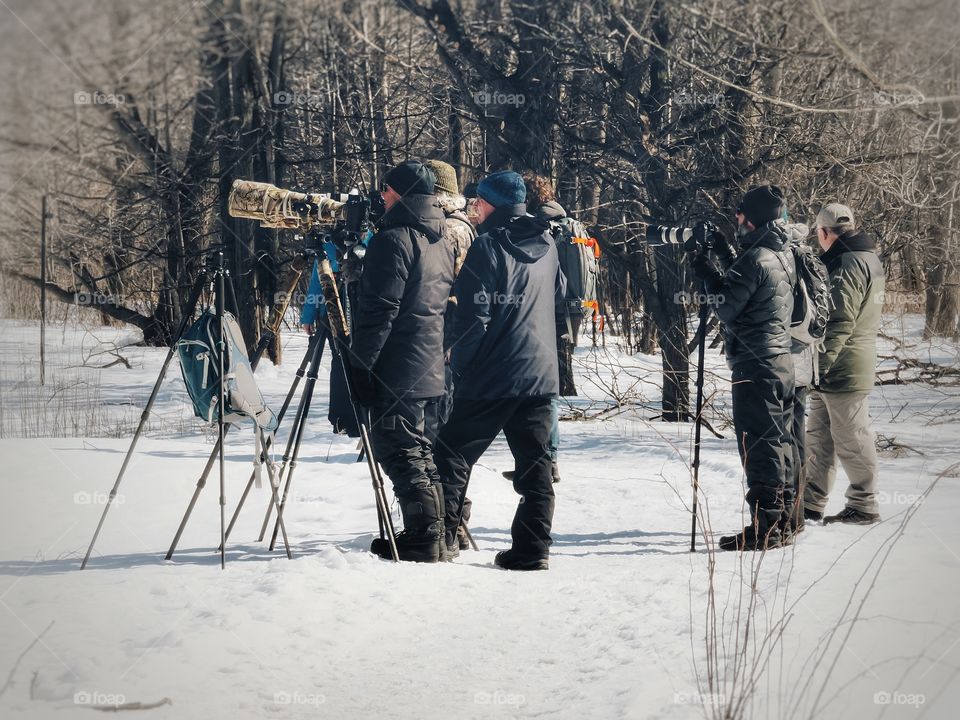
[358,215]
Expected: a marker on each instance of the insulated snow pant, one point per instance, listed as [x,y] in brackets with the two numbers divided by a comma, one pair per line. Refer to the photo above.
[398,433]
[436,416]
[762,418]
[839,427]
[471,429]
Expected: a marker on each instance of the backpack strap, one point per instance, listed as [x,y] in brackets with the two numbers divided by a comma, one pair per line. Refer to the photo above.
[459,217]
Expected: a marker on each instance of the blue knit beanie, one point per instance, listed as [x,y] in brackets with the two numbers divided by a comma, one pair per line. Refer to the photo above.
[502,188]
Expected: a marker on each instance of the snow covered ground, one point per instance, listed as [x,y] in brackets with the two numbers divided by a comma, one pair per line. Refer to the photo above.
[851,622]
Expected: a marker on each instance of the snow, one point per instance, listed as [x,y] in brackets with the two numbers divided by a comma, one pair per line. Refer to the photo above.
[615,628]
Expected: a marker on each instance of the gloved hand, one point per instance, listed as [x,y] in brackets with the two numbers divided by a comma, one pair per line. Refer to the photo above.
[723,247]
[363,387]
[703,266]
[706,271]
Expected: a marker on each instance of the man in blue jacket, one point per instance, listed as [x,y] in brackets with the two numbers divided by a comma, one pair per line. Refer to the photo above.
[504,360]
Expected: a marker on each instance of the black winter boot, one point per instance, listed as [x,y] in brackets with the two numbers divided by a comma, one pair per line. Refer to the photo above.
[752,539]
[411,547]
[791,525]
[422,535]
[812,515]
[512,560]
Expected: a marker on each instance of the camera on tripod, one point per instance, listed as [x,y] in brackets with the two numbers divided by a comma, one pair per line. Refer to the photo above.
[340,218]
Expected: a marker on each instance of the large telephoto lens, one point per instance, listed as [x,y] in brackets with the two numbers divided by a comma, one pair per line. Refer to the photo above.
[667,235]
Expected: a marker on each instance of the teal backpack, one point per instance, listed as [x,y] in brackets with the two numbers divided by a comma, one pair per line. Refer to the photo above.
[199,351]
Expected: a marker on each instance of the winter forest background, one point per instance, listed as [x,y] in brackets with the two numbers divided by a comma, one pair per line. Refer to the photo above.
[133,117]
[136,117]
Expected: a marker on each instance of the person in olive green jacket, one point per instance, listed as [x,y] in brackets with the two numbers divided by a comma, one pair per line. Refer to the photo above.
[838,425]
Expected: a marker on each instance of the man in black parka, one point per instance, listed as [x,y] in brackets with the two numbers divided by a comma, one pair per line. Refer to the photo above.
[396,351]
[504,360]
[754,300]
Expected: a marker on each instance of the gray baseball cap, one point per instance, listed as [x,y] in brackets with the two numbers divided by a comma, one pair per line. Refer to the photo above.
[833,215]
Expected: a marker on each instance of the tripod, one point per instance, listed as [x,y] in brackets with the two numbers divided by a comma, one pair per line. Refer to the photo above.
[315,346]
[698,419]
[269,335]
[309,367]
[218,278]
[334,329]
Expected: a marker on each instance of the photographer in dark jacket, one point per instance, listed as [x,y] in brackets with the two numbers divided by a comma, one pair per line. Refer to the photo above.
[396,352]
[504,360]
[754,300]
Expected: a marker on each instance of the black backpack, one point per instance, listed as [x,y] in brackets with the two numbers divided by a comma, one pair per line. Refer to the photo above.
[811,296]
[579,258]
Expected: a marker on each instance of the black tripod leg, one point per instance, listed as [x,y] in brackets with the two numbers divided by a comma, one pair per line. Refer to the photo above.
[187,315]
[301,371]
[221,407]
[308,397]
[296,437]
[380,493]
[701,354]
[466,531]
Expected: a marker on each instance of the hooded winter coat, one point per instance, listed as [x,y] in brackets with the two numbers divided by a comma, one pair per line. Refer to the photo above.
[848,361]
[504,326]
[754,296]
[406,281]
